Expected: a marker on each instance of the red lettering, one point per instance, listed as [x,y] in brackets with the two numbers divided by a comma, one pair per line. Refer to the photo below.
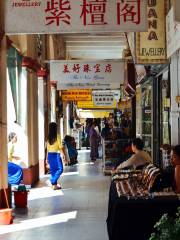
[76,68]
[108,68]
[128,11]
[87,68]
[66,69]
[93,12]
[57,10]
[97,68]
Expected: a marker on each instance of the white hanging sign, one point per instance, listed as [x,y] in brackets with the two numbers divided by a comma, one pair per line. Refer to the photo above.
[75,16]
[87,74]
[103,98]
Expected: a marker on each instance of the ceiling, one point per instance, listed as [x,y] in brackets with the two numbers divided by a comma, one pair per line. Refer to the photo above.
[101,46]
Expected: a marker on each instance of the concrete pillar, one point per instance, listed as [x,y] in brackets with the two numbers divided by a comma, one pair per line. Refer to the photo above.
[53,103]
[3,103]
[64,119]
[175,91]
[68,119]
[41,129]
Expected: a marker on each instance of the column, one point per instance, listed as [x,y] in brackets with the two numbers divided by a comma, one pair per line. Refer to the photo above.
[3,104]
[175,91]
[41,129]
[53,102]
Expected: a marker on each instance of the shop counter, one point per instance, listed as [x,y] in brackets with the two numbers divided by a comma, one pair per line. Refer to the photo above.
[135,218]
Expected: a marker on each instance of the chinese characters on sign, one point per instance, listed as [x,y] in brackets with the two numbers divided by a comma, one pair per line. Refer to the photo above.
[87,68]
[56,11]
[87,75]
[103,98]
[56,16]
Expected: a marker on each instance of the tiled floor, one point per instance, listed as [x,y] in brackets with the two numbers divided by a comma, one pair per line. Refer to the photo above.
[77,212]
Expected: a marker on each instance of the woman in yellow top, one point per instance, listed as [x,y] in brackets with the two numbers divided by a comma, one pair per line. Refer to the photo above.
[54,152]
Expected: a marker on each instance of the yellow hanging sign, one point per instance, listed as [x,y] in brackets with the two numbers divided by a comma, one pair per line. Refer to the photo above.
[91,105]
[76,95]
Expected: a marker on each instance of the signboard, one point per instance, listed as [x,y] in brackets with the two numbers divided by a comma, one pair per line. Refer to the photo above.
[76,95]
[87,75]
[172,34]
[176,10]
[94,113]
[140,71]
[75,16]
[91,105]
[131,41]
[151,45]
[101,98]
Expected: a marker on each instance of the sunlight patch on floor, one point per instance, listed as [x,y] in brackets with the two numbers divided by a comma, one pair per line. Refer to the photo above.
[38,222]
[43,192]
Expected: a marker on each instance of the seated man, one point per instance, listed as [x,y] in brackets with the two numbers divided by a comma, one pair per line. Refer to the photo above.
[139,159]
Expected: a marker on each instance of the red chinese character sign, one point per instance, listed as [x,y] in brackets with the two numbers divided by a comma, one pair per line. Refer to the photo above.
[71,74]
[75,16]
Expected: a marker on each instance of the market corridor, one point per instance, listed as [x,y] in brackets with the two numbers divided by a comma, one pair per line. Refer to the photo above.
[77,212]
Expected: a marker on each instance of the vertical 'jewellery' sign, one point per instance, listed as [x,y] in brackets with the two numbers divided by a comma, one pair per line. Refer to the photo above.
[68,16]
[151,45]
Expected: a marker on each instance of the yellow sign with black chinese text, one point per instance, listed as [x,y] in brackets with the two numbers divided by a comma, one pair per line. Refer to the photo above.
[77,95]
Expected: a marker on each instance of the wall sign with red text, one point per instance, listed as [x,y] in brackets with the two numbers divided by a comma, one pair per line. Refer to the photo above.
[75,16]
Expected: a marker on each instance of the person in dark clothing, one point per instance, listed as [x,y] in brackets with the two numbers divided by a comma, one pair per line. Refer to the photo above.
[105,131]
[71,147]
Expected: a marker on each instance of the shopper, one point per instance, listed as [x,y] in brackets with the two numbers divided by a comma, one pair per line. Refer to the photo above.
[94,142]
[175,160]
[71,147]
[55,155]
[106,131]
[139,159]
[15,172]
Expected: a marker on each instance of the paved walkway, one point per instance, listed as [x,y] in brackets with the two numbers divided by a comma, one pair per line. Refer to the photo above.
[77,212]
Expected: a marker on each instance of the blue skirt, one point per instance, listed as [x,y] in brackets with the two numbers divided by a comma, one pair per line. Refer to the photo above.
[15,173]
[56,166]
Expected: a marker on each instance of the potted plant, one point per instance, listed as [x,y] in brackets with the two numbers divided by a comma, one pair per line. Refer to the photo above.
[20,196]
[167,228]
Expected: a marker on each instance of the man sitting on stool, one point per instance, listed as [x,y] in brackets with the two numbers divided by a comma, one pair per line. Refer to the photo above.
[139,159]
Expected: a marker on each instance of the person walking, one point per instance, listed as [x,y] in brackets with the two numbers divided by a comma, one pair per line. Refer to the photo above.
[55,155]
[94,143]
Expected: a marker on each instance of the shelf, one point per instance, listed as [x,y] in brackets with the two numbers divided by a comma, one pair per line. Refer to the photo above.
[147,121]
[146,135]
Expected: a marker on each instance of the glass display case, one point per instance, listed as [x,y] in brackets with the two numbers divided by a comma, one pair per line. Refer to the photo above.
[146,118]
[165,109]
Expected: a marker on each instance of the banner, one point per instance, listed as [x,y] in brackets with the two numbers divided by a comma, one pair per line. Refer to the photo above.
[87,74]
[94,113]
[151,45]
[91,105]
[172,34]
[75,16]
[76,95]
